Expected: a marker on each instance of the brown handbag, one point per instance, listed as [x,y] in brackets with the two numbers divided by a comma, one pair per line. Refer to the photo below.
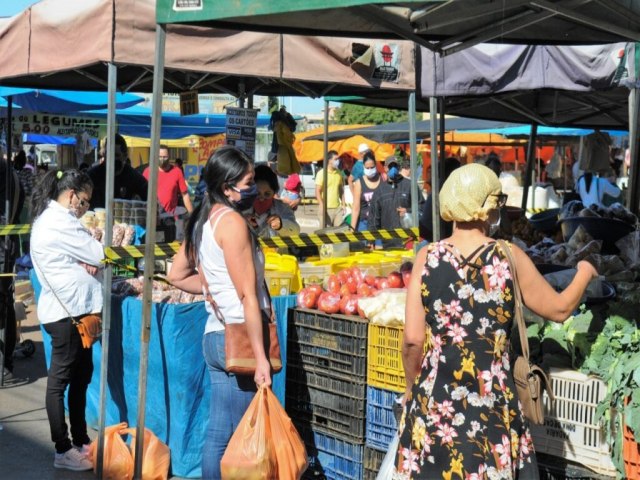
[530,380]
[90,329]
[238,352]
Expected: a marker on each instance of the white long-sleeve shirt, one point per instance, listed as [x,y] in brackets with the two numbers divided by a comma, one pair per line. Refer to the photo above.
[59,243]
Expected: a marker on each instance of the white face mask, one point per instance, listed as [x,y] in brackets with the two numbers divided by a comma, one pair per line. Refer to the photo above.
[371,172]
[336,164]
[495,226]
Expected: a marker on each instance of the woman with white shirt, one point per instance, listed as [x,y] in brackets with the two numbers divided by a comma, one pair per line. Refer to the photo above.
[594,189]
[67,260]
[220,243]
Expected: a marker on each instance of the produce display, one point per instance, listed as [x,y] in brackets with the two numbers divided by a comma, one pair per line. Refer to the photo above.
[122,235]
[352,292]
[162,291]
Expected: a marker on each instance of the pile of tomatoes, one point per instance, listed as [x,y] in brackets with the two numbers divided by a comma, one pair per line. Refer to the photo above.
[341,291]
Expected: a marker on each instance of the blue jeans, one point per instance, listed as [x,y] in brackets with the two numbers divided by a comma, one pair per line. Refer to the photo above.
[230,396]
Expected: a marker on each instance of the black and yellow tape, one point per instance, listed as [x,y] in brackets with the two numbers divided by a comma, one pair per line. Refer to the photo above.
[303,240]
[15,229]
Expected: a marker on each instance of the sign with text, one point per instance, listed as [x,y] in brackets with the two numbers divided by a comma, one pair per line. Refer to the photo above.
[241,129]
[189,103]
[207,145]
[58,125]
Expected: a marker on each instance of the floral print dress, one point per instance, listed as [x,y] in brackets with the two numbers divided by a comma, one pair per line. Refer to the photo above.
[463,419]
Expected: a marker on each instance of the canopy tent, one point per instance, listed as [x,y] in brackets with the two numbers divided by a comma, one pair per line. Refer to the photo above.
[61,101]
[135,122]
[442,25]
[524,131]
[122,32]
[399,132]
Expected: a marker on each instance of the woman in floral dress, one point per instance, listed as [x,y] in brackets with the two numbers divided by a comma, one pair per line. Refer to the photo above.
[462,418]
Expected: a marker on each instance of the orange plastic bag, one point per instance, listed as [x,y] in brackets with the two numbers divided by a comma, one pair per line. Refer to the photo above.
[250,454]
[117,459]
[156,456]
[290,452]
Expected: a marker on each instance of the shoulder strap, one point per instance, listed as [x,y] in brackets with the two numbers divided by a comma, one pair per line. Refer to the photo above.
[207,294]
[522,330]
[221,212]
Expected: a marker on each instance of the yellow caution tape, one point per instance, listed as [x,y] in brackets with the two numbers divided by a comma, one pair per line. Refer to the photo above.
[15,229]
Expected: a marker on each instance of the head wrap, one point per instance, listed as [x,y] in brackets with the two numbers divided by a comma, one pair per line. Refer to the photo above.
[469,194]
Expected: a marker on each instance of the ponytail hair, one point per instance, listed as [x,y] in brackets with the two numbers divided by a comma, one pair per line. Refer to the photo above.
[225,167]
[53,184]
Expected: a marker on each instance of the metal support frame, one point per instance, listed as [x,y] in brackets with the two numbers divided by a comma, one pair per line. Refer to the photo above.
[413,152]
[633,197]
[7,215]
[325,165]
[441,157]
[150,240]
[435,174]
[112,77]
[531,153]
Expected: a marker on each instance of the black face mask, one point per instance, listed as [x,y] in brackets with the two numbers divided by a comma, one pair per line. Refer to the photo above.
[247,197]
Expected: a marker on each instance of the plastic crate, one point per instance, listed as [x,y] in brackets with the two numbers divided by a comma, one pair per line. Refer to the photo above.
[630,454]
[384,362]
[570,430]
[314,274]
[381,423]
[372,462]
[331,457]
[122,272]
[299,377]
[279,282]
[336,343]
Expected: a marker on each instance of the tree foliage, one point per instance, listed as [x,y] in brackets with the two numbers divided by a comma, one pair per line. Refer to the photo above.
[359,114]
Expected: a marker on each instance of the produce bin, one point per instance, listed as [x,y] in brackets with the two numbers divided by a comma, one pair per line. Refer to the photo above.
[570,429]
[372,462]
[382,424]
[331,457]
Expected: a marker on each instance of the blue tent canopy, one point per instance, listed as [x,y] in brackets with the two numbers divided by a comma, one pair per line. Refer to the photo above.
[525,131]
[50,139]
[136,122]
[62,101]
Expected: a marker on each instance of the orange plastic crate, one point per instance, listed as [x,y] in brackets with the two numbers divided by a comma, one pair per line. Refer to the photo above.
[630,455]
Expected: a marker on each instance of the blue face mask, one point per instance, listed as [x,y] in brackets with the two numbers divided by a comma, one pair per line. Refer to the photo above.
[393,173]
[247,197]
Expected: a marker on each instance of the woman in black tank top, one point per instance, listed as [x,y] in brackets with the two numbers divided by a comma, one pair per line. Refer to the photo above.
[363,190]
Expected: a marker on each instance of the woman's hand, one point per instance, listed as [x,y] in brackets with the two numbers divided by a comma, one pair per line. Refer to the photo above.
[91,270]
[275,222]
[263,373]
[587,266]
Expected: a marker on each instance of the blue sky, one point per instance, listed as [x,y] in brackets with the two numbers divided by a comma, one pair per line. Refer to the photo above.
[295,105]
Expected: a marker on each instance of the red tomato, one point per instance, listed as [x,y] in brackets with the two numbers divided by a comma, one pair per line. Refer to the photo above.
[364,290]
[307,298]
[343,275]
[382,283]
[333,284]
[370,279]
[349,305]
[352,283]
[406,276]
[357,274]
[395,280]
[344,290]
[329,302]
[317,289]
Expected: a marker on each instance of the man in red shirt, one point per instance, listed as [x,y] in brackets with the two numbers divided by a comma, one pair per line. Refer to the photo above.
[171,183]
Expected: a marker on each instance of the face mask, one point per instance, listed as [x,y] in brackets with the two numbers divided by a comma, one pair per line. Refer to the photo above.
[336,164]
[247,197]
[371,172]
[393,173]
[262,205]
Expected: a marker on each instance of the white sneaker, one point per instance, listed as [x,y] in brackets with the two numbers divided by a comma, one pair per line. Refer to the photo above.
[72,460]
[85,450]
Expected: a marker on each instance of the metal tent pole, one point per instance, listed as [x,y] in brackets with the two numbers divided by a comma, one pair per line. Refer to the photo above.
[413,151]
[435,174]
[633,196]
[8,220]
[531,153]
[441,157]
[150,243]
[112,76]
[325,165]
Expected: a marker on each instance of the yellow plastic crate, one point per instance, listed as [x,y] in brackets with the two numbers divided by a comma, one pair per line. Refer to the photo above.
[311,273]
[286,264]
[279,283]
[384,365]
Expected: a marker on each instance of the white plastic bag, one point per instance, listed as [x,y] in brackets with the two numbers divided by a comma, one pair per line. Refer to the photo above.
[389,461]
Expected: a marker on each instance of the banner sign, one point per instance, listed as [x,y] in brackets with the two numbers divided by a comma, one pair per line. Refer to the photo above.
[189,103]
[58,125]
[207,145]
[387,62]
[241,129]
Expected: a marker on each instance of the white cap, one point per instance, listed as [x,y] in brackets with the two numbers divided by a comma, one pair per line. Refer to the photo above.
[363,147]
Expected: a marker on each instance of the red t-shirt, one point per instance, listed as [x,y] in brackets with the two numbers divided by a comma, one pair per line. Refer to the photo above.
[171,186]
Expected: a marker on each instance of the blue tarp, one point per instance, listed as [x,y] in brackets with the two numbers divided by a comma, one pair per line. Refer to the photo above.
[62,101]
[177,406]
[49,139]
[136,122]
[525,130]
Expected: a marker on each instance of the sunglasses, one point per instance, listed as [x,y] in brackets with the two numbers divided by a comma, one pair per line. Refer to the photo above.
[83,203]
[501,199]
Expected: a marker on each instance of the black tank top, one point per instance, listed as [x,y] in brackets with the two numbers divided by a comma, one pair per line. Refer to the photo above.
[366,193]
